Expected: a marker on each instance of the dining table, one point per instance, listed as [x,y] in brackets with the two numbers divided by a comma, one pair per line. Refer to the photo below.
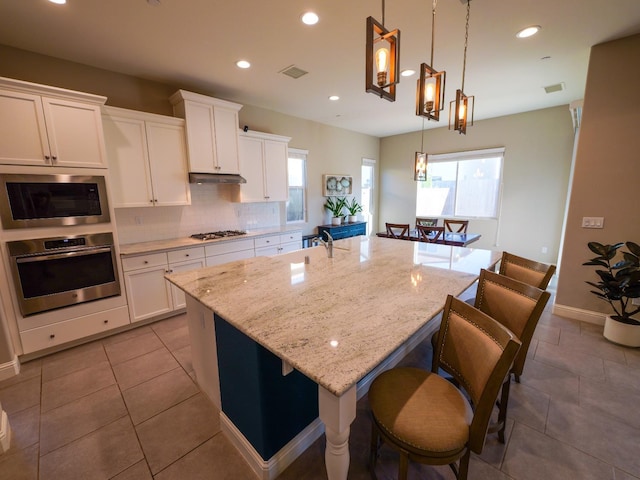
[447,238]
[336,321]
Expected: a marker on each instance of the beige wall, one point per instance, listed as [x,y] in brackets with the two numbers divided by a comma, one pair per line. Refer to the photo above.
[607,167]
[538,151]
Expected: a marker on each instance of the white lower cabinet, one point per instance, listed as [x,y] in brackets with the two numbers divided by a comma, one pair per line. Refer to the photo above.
[278,243]
[149,294]
[219,253]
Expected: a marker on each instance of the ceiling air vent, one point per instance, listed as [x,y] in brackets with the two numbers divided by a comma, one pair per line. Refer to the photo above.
[293,71]
[558,87]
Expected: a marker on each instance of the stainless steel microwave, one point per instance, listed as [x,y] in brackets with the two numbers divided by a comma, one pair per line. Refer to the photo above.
[29,201]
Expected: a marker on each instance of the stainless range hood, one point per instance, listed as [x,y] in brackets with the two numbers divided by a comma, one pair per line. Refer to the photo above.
[215,178]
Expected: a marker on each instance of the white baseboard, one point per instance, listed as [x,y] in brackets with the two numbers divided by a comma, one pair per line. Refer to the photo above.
[9,369]
[270,469]
[573,313]
[5,432]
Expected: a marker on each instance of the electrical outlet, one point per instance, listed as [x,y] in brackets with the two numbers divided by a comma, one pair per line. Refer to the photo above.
[592,222]
[137,220]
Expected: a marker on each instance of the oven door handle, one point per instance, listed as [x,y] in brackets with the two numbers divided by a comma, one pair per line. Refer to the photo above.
[54,256]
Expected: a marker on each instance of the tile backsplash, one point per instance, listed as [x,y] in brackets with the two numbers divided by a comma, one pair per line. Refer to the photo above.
[211,209]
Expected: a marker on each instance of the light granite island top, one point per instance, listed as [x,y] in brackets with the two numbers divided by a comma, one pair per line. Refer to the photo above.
[336,319]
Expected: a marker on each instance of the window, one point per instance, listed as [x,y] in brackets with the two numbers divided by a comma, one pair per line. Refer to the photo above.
[463,184]
[367,193]
[297,174]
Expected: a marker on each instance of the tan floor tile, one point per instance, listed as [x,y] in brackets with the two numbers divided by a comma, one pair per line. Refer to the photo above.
[75,385]
[145,367]
[73,420]
[126,335]
[20,464]
[139,471]
[133,347]
[175,432]
[183,355]
[175,339]
[551,380]
[72,360]
[632,356]
[25,428]
[612,400]
[158,394]
[532,455]
[528,405]
[554,321]
[171,323]
[28,370]
[623,375]
[593,345]
[21,396]
[216,455]
[600,436]
[99,455]
[572,360]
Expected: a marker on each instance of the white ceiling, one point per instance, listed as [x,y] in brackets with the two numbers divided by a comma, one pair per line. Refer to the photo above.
[194,44]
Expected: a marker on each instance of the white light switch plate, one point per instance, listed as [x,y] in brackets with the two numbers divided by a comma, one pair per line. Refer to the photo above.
[592,222]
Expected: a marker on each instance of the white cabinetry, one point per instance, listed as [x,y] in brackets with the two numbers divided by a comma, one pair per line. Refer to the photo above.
[147,158]
[219,253]
[278,243]
[149,294]
[212,132]
[263,163]
[41,125]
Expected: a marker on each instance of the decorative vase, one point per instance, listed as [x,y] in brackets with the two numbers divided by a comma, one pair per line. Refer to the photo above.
[336,220]
[621,333]
[353,218]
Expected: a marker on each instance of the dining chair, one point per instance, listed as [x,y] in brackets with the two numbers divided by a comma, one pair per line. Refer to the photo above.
[398,230]
[425,417]
[427,222]
[527,271]
[517,306]
[456,226]
[429,234]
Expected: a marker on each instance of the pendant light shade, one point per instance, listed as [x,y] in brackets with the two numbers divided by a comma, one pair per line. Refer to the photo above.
[462,108]
[420,167]
[382,60]
[430,91]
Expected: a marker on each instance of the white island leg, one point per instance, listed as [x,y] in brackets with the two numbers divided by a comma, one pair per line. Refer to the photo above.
[337,413]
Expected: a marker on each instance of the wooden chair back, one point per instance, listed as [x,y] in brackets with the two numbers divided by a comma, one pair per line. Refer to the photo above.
[527,271]
[456,226]
[429,234]
[398,230]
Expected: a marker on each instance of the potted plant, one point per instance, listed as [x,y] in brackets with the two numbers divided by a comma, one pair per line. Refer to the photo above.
[353,207]
[619,284]
[335,206]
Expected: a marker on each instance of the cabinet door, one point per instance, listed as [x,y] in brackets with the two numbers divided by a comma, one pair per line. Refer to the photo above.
[75,133]
[275,171]
[201,141]
[126,145]
[177,295]
[168,162]
[149,294]
[23,135]
[226,140]
[251,168]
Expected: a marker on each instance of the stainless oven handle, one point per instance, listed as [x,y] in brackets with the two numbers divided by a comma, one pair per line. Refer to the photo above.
[53,256]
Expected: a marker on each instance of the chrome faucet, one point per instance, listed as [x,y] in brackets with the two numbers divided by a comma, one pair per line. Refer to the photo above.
[328,244]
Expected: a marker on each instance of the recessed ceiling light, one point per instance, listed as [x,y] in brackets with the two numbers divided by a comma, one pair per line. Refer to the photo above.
[310,18]
[407,73]
[243,64]
[528,31]
[59,2]
[334,98]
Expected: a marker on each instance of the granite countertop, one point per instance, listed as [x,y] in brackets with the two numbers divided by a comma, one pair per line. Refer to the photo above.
[173,243]
[335,319]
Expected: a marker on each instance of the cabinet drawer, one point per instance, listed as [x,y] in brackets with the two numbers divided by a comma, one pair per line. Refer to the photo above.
[183,254]
[229,257]
[74,329]
[144,261]
[228,247]
[267,241]
[291,237]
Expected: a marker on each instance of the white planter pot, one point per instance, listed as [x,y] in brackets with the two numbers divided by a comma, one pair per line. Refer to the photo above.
[621,333]
[336,220]
[353,218]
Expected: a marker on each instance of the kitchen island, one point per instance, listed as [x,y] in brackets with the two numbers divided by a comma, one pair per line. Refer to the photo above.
[336,321]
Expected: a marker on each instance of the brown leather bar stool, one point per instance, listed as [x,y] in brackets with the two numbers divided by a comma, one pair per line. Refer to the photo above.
[426,418]
[527,271]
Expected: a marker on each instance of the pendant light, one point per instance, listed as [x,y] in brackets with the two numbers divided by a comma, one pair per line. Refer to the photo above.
[463,103]
[383,55]
[430,91]
[420,162]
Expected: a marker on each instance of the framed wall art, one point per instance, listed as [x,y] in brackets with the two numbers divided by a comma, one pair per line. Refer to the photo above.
[337,185]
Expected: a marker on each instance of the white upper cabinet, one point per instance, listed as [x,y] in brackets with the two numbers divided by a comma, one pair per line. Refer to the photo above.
[147,158]
[212,132]
[263,163]
[41,125]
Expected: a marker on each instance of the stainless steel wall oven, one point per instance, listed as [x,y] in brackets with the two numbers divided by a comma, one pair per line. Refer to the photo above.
[29,200]
[57,272]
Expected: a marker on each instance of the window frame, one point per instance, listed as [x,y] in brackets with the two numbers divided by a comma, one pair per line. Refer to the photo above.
[303,155]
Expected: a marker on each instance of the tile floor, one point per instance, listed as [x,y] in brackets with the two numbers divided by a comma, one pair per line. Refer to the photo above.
[126,407]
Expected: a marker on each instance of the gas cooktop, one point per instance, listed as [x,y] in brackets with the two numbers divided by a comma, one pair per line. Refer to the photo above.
[219,234]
